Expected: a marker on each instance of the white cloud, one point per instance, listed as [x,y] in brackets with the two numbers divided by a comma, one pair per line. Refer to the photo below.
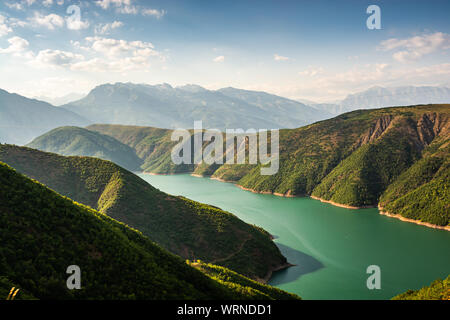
[4,28]
[127,7]
[105,4]
[154,12]
[277,57]
[416,47]
[114,47]
[115,55]
[47,3]
[53,21]
[50,21]
[14,5]
[219,59]
[128,10]
[122,6]
[20,5]
[57,58]
[17,47]
[14,22]
[76,24]
[108,27]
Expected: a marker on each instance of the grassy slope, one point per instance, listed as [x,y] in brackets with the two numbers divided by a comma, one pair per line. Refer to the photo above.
[186,228]
[233,280]
[42,233]
[75,141]
[438,290]
[351,159]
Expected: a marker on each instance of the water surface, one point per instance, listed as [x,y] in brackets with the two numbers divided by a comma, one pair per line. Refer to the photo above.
[330,246]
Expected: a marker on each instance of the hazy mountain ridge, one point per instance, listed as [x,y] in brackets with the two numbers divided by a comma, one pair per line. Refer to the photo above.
[23,119]
[380,97]
[166,107]
[59,101]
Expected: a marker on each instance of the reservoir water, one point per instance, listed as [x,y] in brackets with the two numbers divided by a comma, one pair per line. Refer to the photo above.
[330,246]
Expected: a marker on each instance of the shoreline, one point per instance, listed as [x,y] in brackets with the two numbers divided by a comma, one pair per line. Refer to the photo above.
[288,195]
[342,205]
[268,276]
[163,174]
[418,222]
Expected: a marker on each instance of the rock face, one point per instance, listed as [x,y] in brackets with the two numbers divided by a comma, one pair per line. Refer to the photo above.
[376,130]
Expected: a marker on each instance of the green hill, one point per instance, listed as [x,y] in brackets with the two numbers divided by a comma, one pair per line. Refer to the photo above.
[438,290]
[187,228]
[423,191]
[42,233]
[238,282]
[152,145]
[73,141]
[350,160]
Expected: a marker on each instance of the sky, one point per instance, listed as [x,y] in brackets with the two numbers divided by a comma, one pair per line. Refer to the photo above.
[306,49]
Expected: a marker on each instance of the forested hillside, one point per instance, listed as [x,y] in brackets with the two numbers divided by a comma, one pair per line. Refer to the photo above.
[350,160]
[187,228]
[438,290]
[73,141]
[42,233]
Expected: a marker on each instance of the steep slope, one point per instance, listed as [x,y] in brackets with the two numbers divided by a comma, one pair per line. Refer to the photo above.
[22,119]
[232,279]
[184,227]
[163,106]
[423,191]
[349,160]
[152,145]
[42,233]
[76,141]
[438,290]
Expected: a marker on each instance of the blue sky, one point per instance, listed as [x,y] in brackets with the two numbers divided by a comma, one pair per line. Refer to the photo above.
[317,50]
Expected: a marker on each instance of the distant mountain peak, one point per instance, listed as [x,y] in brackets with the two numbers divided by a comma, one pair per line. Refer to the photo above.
[192,88]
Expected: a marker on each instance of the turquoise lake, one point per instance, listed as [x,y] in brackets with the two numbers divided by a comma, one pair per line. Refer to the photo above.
[330,246]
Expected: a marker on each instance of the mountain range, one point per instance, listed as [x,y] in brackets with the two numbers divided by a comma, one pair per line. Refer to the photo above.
[396,158]
[23,119]
[59,101]
[164,106]
[379,97]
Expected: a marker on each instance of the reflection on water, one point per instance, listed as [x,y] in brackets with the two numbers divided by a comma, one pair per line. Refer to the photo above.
[302,262]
